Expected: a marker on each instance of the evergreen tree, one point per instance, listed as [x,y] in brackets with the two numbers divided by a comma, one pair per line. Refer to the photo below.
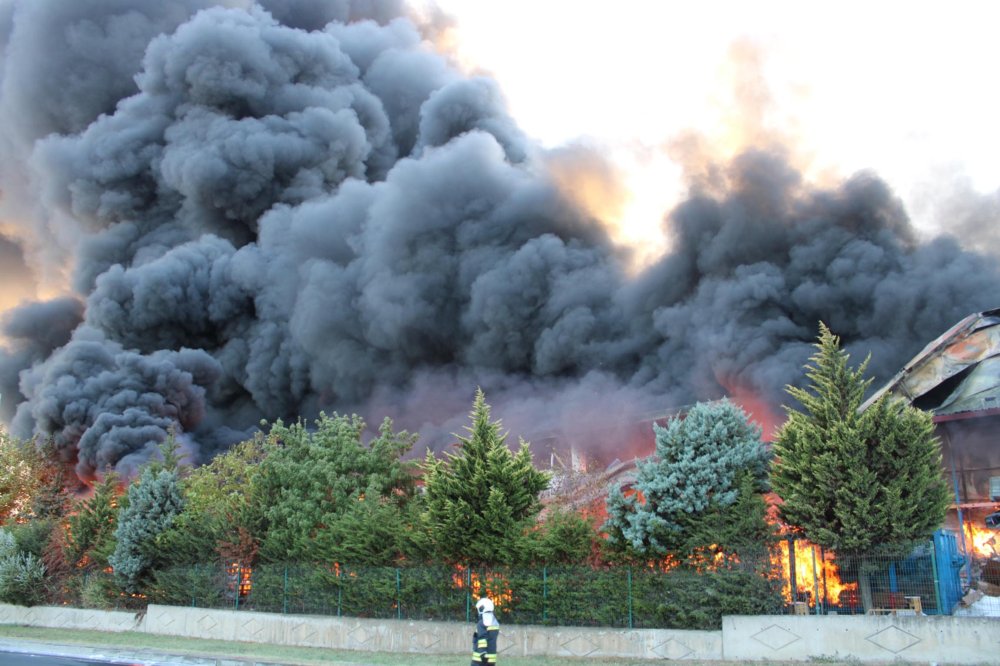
[56,487]
[90,539]
[700,489]
[21,573]
[20,477]
[372,530]
[850,480]
[480,501]
[563,537]
[321,488]
[153,503]
[223,514]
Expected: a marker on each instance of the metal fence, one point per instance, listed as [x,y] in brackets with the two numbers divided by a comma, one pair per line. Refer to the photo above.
[924,580]
[582,596]
[794,577]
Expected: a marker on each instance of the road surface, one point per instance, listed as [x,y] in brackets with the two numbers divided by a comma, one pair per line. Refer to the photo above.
[29,659]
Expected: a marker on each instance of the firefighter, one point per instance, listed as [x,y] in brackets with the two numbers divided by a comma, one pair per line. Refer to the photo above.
[484,638]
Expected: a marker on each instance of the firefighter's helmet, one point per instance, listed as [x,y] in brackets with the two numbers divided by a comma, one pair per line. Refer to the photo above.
[484,605]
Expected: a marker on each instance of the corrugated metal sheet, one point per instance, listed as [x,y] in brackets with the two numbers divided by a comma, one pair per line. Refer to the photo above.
[957,373]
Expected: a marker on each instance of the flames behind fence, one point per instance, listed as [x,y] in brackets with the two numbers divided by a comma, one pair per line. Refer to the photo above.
[981,542]
[490,584]
[814,574]
[681,597]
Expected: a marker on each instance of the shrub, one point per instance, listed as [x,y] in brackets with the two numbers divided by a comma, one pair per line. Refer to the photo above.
[98,590]
[21,574]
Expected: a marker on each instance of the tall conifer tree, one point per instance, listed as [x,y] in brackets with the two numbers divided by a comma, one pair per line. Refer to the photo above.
[480,500]
[153,503]
[853,480]
[327,492]
[91,534]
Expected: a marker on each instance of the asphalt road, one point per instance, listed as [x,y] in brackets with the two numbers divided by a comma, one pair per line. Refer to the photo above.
[27,659]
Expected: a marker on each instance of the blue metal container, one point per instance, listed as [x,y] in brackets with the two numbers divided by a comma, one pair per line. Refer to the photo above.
[949,562]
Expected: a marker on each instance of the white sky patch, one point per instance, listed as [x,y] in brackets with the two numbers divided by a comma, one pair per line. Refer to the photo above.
[905,90]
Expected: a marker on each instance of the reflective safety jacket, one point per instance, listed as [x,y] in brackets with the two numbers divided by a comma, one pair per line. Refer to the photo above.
[484,640]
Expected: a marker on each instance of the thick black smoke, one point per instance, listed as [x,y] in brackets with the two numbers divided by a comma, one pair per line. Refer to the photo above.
[270,210]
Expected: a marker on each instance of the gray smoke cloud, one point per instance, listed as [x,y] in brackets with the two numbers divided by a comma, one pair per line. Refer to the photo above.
[279,208]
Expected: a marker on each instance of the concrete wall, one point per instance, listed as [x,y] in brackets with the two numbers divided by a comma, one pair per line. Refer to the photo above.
[435,637]
[871,638]
[953,640]
[70,618]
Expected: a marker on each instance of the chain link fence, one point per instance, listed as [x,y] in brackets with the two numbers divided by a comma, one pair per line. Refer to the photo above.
[794,577]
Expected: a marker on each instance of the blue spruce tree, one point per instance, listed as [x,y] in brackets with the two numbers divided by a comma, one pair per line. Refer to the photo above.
[153,503]
[700,489]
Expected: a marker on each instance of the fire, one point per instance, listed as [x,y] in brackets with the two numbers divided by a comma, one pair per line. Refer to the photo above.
[240,577]
[493,585]
[982,542]
[817,576]
[706,559]
[757,409]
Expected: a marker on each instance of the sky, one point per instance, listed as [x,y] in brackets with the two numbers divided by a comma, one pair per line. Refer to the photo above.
[906,91]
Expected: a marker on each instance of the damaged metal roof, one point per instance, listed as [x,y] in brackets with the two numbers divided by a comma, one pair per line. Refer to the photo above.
[957,375]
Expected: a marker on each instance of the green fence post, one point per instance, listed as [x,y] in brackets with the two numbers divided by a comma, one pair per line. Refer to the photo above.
[399,601]
[194,587]
[545,595]
[284,593]
[815,581]
[937,582]
[468,593]
[793,585]
[239,575]
[630,597]
[340,592]
[826,591]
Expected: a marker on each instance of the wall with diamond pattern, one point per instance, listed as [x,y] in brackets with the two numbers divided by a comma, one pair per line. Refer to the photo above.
[881,638]
[954,640]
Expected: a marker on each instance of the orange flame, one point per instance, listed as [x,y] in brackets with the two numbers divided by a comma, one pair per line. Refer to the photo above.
[707,559]
[758,411]
[240,578]
[982,542]
[817,575]
[492,585]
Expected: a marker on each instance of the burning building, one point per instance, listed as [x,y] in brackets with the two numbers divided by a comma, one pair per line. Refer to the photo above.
[957,378]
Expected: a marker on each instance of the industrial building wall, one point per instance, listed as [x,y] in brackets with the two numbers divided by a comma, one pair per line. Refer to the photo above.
[971,456]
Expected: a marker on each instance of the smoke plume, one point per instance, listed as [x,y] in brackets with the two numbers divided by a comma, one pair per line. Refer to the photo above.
[261,211]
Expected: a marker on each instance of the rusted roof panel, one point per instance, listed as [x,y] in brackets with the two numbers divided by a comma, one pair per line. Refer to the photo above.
[957,372]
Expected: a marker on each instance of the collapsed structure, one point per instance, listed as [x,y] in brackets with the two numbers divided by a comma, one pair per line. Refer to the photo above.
[957,379]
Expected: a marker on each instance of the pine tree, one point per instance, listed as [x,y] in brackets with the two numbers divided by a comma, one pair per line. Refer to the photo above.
[223,513]
[153,503]
[90,539]
[21,573]
[57,483]
[480,500]
[701,488]
[313,480]
[852,480]
[563,537]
